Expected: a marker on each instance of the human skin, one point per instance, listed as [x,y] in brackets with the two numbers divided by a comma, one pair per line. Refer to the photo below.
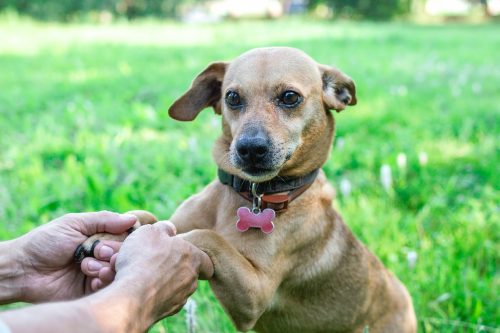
[155,273]
[39,266]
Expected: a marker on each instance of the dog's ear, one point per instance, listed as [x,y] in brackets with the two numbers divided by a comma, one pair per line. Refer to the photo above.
[205,91]
[338,89]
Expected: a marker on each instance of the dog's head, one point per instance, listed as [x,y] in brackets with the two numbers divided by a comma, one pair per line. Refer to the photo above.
[275,104]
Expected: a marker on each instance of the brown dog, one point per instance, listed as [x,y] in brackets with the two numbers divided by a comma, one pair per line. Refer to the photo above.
[302,271]
[310,274]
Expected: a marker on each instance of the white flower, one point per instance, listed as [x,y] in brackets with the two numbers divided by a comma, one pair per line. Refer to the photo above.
[190,308]
[339,143]
[476,88]
[411,257]
[443,297]
[401,90]
[193,144]
[215,122]
[386,177]
[419,76]
[401,160]
[423,158]
[345,187]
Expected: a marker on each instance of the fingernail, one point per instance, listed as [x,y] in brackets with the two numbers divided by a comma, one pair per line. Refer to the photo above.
[128,217]
[105,252]
[94,265]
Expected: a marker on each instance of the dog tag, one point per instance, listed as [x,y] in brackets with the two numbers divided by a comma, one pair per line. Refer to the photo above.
[261,220]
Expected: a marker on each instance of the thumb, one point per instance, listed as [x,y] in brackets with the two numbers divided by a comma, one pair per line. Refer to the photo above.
[104,221]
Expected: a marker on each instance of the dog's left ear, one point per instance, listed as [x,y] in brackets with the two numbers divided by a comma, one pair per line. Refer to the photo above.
[338,89]
[205,91]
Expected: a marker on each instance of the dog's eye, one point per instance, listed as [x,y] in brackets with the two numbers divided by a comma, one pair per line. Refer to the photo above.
[290,99]
[233,99]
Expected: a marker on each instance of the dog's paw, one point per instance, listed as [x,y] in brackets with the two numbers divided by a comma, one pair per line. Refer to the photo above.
[86,249]
[143,217]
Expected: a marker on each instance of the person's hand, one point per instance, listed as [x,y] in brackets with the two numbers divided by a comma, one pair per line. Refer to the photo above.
[160,271]
[46,256]
[155,275]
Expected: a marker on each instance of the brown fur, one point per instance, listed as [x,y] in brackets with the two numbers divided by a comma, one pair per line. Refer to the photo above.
[311,274]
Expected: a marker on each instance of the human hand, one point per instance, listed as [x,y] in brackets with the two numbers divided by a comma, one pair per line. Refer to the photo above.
[160,271]
[46,255]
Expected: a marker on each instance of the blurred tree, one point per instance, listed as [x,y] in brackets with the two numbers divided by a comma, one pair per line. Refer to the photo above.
[65,10]
[486,9]
[366,9]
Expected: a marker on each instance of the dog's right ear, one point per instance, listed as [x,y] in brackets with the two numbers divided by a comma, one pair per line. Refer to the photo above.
[339,90]
[205,91]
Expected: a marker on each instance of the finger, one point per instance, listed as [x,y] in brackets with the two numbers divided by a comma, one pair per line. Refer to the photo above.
[167,226]
[88,286]
[107,275]
[96,284]
[106,248]
[113,261]
[104,221]
[91,266]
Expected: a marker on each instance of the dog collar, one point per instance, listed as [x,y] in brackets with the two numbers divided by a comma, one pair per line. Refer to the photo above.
[275,194]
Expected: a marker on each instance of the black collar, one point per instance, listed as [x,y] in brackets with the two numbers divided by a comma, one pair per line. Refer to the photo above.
[275,185]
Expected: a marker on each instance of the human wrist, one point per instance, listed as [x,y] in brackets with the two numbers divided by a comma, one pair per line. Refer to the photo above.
[120,307]
[11,271]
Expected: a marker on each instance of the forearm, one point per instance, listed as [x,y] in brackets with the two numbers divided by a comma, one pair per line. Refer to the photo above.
[11,273]
[109,310]
[50,317]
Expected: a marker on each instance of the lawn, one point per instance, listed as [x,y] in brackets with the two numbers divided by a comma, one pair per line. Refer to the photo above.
[84,127]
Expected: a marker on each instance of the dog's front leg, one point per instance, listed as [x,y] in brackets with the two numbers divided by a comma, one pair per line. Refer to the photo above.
[243,289]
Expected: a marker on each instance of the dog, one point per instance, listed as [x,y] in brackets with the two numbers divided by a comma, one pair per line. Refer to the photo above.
[284,260]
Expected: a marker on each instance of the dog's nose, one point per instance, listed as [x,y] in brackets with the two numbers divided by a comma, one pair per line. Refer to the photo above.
[252,149]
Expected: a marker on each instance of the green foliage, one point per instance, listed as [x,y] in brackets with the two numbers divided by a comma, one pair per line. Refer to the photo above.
[367,9]
[84,127]
[66,10]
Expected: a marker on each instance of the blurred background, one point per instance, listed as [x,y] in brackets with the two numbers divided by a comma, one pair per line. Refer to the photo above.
[84,92]
[216,10]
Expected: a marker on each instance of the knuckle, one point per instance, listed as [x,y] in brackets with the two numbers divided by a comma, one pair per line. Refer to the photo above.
[147,228]
[185,254]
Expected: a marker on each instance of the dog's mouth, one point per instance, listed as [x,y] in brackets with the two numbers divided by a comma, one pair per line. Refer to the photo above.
[255,165]
[259,174]
[262,171]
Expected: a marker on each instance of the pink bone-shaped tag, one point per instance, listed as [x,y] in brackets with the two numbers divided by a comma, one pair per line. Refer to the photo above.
[262,220]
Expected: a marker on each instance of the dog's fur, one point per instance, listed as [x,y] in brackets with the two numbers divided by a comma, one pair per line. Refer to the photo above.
[311,274]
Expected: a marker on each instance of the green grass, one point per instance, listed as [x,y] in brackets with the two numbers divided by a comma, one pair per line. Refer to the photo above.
[84,127]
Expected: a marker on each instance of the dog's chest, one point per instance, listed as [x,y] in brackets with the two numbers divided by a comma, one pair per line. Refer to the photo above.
[280,301]
[289,314]
[258,247]
[302,314]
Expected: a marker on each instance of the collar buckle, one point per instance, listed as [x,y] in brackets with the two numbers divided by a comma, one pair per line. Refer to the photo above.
[257,199]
